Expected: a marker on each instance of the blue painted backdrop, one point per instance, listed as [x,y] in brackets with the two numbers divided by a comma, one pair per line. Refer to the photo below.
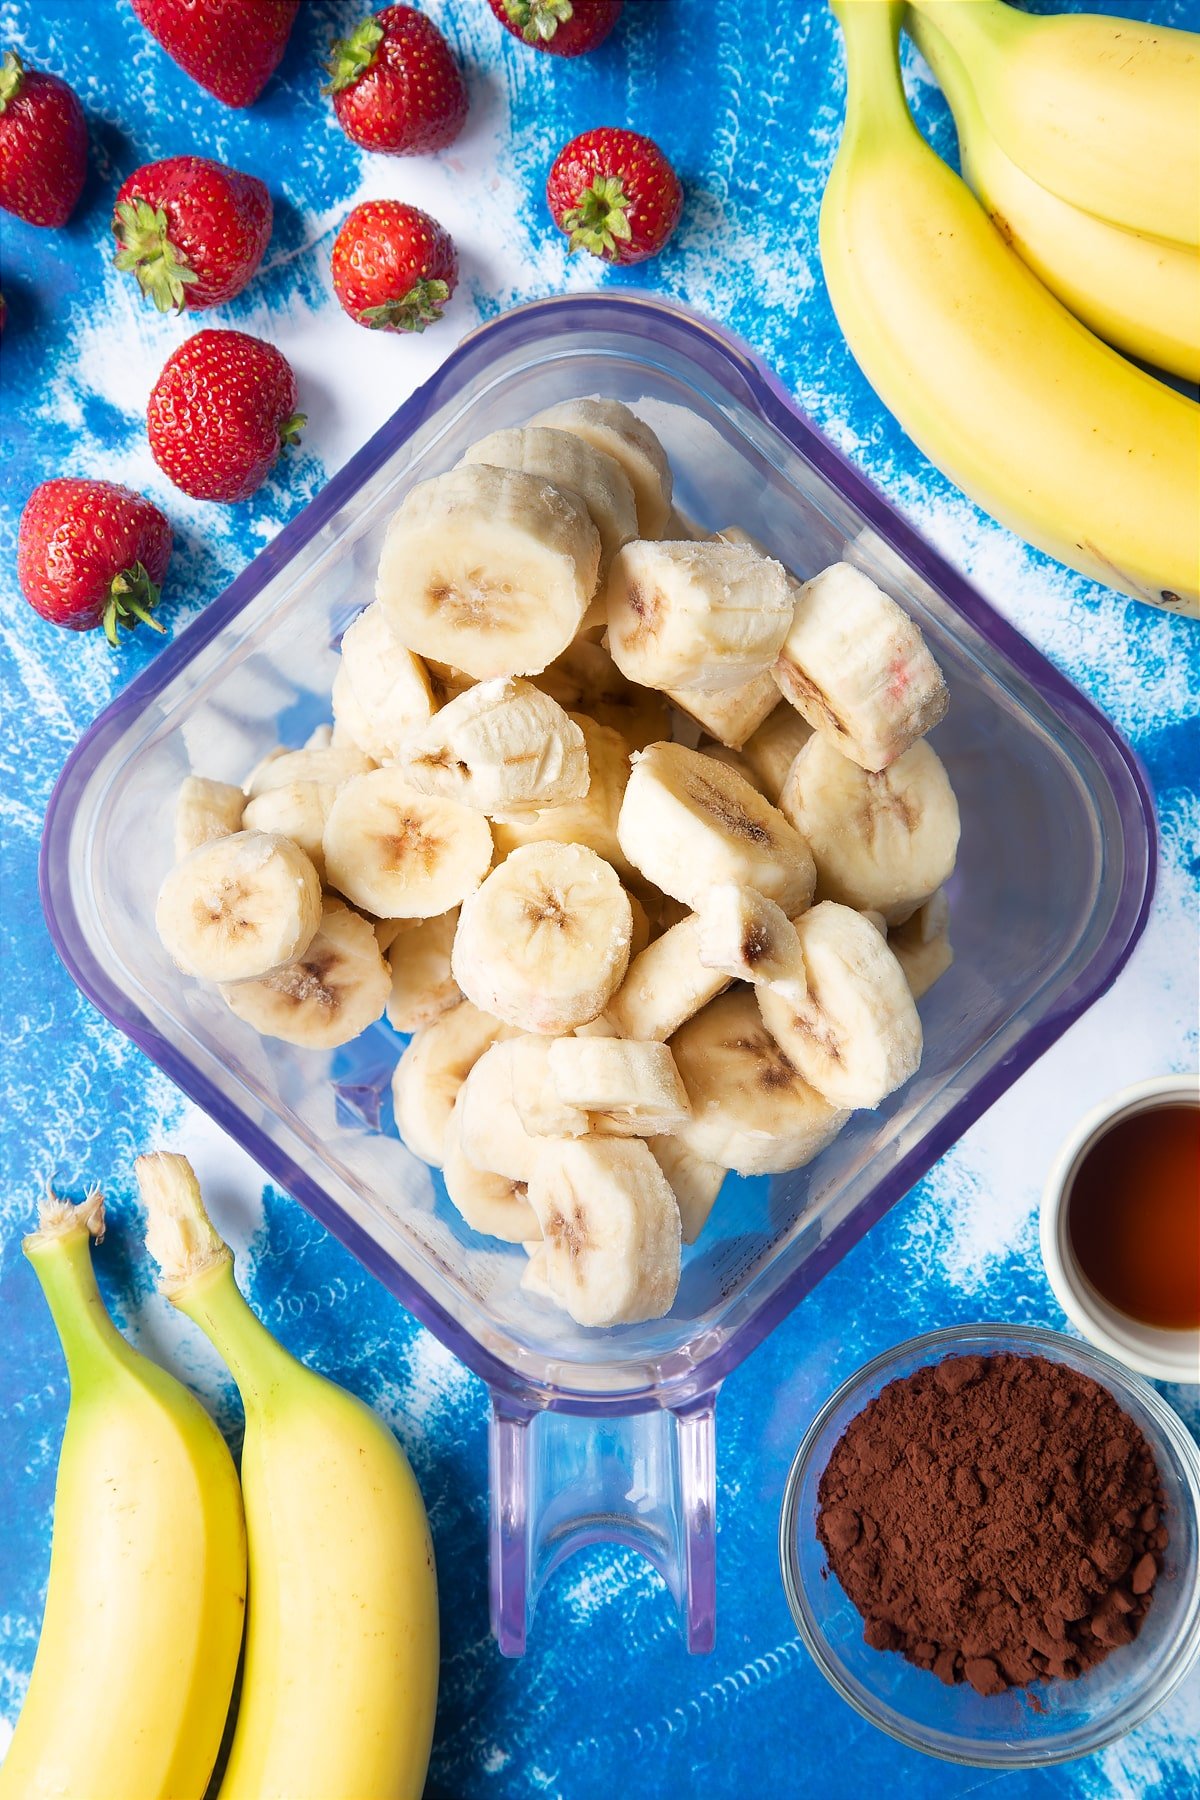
[746,95]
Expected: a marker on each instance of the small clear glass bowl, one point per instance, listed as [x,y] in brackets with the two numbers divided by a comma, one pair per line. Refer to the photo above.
[1026,1727]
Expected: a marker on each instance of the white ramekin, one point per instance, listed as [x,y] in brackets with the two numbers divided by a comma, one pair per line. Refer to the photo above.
[1164,1355]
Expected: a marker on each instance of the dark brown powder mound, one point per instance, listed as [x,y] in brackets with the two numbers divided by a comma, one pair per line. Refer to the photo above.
[995,1519]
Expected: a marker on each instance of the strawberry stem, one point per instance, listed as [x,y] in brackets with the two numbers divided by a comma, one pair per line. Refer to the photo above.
[141,232]
[131,597]
[352,56]
[289,431]
[538,20]
[12,72]
[600,217]
[421,306]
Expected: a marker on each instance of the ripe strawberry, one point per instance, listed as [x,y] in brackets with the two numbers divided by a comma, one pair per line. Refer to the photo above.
[221,412]
[193,231]
[92,553]
[563,27]
[614,193]
[43,144]
[395,85]
[231,47]
[394,268]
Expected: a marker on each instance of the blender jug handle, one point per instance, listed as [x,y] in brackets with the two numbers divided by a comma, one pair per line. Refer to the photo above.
[561,1480]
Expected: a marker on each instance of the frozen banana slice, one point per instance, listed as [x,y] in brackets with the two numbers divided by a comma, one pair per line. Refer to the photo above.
[502,747]
[611,1229]
[639,935]
[732,759]
[855,1036]
[922,944]
[774,747]
[489,569]
[630,1089]
[882,841]
[610,426]
[431,1071]
[544,942]
[490,1133]
[694,1182]
[687,822]
[324,999]
[205,810]
[708,617]
[585,679]
[239,906]
[297,811]
[422,987]
[382,693]
[856,666]
[734,714]
[400,854]
[492,1204]
[665,985]
[751,1108]
[569,462]
[539,1108]
[332,766]
[747,937]
[534,1279]
[591,821]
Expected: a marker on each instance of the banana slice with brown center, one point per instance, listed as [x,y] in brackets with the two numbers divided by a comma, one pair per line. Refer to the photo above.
[687,821]
[752,1109]
[544,942]
[328,996]
[400,854]
[239,906]
[881,841]
[710,616]
[610,1226]
[855,1036]
[489,569]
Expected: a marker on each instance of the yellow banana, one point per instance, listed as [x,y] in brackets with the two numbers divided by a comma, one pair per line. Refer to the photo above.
[339,1684]
[1055,434]
[1140,293]
[1103,112]
[143,1620]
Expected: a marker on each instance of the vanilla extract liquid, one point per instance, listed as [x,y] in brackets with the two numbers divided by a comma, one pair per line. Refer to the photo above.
[1134,1216]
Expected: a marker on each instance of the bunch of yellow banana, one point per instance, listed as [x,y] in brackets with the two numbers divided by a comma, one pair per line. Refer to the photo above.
[148,1574]
[1088,166]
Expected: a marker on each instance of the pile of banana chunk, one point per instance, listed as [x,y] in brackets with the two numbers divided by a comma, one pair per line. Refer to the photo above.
[637,834]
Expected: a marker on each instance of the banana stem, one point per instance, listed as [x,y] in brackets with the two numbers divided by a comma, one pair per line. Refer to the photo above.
[197,1275]
[982,27]
[60,1252]
[875,99]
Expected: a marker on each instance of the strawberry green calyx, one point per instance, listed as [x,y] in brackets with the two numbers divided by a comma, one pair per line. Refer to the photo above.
[131,597]
[538,20]
[289,431]
[421,306]
[141,232]
[352,56]
[12,72]
[600,218]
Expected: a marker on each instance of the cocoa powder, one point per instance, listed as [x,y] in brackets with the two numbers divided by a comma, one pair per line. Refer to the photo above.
[996,1519]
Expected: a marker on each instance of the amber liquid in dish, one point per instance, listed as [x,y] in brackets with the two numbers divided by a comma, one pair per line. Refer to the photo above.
[1134,1216]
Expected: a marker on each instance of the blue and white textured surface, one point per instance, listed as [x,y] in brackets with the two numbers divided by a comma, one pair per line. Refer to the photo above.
[746,96]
